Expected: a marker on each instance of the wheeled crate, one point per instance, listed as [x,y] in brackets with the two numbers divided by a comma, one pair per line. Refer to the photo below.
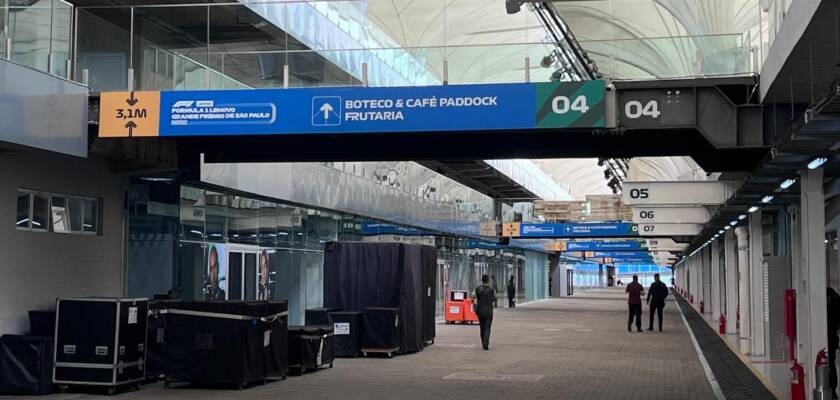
[100,341]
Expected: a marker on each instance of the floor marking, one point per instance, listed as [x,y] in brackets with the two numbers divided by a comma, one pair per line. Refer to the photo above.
[468,376]
[709,375]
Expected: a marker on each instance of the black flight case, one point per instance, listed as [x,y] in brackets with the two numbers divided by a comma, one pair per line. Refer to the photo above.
[100,341]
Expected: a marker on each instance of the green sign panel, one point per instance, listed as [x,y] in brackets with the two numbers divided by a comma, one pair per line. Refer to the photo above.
[570,104]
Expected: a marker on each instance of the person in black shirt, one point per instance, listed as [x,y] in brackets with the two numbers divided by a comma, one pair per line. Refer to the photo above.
[484,295]
[833,300]
[657,293]
[511,292]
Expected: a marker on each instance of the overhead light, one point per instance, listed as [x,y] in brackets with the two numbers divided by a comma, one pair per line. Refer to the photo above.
[767,199]
[720,232]
[727,227]
[742,216]
[733,222]
[753,209]
[787,183]
[817,162]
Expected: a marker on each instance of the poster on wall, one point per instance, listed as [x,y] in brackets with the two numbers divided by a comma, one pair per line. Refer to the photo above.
[265,276]
[215,275]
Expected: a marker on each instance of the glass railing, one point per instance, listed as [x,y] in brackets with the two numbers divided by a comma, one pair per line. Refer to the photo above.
[310,44]
[671,57]
[37,34]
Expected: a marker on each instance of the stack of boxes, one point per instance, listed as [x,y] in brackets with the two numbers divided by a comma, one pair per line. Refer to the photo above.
[594,208]
[561,210]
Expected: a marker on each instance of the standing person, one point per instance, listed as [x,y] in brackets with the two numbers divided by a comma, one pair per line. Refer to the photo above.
[495,290]
[484,295]
[833,326]
[657,293]
[634,303]
[511,291]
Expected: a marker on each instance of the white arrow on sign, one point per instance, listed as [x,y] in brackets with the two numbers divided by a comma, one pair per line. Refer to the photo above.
[677,192]
[669,229]
[671,215]
[326,109]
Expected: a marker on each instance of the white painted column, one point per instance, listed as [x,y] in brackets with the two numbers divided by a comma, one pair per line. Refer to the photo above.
[714,302]
[745,333]
[811,296]
[757,284]
[731,271]
[707,281]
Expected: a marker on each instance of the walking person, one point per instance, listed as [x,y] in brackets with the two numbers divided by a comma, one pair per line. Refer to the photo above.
[484,295]
[511,292]
[656,299]
[634,303]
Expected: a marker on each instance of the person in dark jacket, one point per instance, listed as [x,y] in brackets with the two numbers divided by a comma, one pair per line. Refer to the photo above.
[833,300]
[511,292]
[656,299]
[634,291]
[484,295]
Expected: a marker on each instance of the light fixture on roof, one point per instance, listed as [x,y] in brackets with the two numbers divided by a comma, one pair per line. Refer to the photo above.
[742,216]
[753,209]
[767,199]
[513,6]
[817,162]
[720,232]
[733,222]
[787,183]
[547,61]
[727,227]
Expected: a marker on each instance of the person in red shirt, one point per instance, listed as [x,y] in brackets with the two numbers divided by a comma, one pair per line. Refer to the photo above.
[634,301]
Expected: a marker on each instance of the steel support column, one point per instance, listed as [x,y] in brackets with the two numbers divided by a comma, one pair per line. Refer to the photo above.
[811,296]
[731,269]
[745,332]
[714,301]
[757,284]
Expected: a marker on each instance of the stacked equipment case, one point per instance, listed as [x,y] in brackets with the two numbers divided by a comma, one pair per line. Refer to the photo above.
[100,342]
[310,347]
[347,333]
[381,330]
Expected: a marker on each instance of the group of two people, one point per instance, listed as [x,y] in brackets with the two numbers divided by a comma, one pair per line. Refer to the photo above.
[657,293]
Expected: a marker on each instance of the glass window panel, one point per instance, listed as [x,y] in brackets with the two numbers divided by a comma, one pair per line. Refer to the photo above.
[284,225]
[40,212]
[22,220]
[192,213]
[215,211]
[103,43]
[74,209]
[91,216]
[268,224]
[175,38]
[58,210]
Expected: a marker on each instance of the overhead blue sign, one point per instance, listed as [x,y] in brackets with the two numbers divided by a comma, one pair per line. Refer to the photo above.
[378,228]
[621,254]
[624,245]
[327,110]
[561,230]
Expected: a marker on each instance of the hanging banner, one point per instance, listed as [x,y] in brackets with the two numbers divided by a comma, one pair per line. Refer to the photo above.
[511,106]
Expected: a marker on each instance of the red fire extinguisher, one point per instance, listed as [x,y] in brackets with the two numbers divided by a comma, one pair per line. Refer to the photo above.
[692,298]
[702,308]
[797,381]
[722,325]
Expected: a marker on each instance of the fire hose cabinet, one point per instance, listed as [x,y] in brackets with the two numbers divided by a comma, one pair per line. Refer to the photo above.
[100,342]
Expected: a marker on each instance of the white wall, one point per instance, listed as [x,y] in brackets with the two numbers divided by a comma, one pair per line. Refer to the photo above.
[37,267]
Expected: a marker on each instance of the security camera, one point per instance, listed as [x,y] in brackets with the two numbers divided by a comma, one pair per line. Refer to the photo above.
[610,87]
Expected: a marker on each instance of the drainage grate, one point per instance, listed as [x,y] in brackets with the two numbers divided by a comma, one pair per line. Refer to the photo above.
[736,380]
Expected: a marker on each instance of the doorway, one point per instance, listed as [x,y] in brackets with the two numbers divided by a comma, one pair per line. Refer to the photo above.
[242,264]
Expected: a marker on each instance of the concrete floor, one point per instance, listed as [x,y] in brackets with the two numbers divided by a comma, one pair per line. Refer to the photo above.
[573,348]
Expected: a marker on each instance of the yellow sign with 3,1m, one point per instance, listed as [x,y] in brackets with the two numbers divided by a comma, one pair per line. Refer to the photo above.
[129,114]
